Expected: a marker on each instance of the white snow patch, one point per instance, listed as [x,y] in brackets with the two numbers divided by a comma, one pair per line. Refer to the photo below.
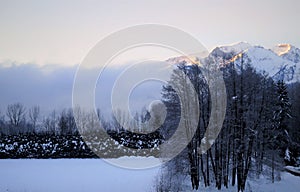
[235,48]
[135,162]
[282,49]
[76,175]
[288,183]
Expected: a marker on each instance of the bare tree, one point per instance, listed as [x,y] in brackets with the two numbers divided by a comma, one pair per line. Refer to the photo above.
[71,122]
[2,124]
[34,114]
[47,125]
[16,114]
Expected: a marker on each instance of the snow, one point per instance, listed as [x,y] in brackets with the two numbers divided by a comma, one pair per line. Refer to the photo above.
[189,60]
[287,154]
[265,60]
[281,62]
[235,48]
[282,49]
[288,183]
[76,175]
[134,163]
[293,170]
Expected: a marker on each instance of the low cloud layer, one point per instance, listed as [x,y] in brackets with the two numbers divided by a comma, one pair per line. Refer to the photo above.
[51,88]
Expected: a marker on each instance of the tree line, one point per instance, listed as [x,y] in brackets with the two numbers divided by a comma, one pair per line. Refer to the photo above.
[72,133]
[260,130]
[16,119]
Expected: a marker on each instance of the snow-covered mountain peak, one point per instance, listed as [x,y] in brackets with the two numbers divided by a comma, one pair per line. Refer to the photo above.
[282,49]
[228,52]
[183,59]
[266,60]
[259,53]
[281,63]
[288,52]
[235,48]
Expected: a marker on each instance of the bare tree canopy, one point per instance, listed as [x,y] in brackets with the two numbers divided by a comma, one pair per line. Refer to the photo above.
[34,113]
[16,113]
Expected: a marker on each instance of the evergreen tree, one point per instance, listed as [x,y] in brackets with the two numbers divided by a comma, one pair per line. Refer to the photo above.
[281,116]
[280,140]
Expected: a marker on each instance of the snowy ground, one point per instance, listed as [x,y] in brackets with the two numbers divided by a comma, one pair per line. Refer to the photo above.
[293,170]
[76,175]
[288,183]
[96,175]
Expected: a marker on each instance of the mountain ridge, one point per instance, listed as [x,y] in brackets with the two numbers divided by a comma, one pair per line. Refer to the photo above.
[282,62]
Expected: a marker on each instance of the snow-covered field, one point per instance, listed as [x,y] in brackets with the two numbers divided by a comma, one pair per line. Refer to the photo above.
[76,175]
[288,183]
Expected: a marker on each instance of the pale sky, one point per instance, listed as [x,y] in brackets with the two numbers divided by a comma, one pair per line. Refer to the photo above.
[62,32]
